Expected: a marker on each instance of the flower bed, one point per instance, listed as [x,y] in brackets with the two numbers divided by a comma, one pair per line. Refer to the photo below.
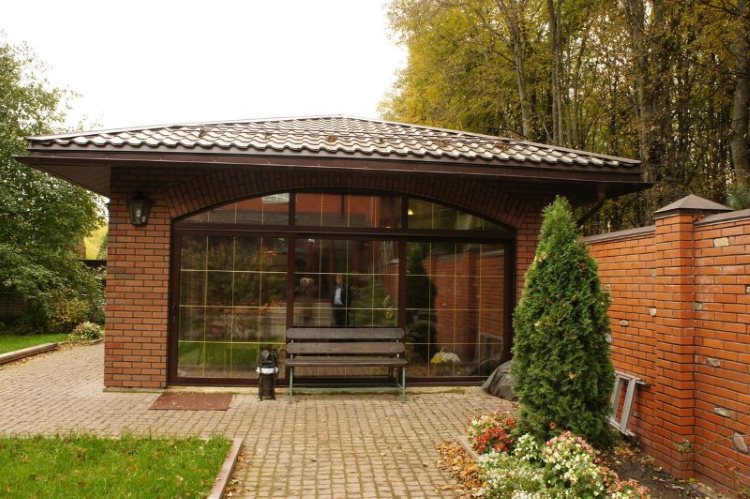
[519,467]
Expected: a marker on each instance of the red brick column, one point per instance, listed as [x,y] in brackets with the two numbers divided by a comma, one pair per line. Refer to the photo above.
[674,328]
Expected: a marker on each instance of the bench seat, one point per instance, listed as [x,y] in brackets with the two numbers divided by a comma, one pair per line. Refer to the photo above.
[348,347]
[353,362]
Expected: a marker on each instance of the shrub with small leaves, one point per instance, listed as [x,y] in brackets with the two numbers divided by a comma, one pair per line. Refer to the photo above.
[86,331]
[66,311]
[565,466]
[491,432]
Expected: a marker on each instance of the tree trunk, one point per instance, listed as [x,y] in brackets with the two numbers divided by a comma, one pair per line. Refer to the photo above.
[636,16]
[513,16]
[740,142]
[556,60]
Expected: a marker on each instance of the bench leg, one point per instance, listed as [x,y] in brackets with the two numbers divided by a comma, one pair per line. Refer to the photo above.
[403,384]
[291,384]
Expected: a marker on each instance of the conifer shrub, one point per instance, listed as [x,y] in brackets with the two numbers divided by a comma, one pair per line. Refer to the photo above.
[561,356]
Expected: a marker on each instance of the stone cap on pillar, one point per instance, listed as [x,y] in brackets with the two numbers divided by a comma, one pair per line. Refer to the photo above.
[691,204]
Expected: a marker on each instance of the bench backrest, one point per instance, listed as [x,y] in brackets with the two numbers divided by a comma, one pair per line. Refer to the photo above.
[345,341]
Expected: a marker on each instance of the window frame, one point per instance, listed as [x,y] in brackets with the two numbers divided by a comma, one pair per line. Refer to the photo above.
[291,232]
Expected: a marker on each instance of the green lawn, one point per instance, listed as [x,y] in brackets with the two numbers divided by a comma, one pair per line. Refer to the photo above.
[11,342]
[85,466]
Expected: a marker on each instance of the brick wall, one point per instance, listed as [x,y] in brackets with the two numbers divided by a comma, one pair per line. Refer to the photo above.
[680,315]
[138,292]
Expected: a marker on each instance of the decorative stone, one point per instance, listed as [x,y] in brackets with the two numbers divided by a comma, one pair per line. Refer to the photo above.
[739,442]
[723,412]
[747,289]
[713,362]
[652,312]
[500,382]
[624,323]
[608,338]
[698,305]
[721,242]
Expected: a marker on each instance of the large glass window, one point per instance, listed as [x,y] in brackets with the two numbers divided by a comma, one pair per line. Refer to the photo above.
[455,300]
[250,269]
[232,300]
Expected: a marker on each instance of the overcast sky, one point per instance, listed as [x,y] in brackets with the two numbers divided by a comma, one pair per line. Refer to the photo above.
[155,62]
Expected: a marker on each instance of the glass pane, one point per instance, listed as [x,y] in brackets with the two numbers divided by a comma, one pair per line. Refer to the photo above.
[192,287]
[192,323]
[267,210]
[345,283]
[220,253]
[193,252]
[347,210]
[232,309]
[274,250]
[219,286]
[455,296]
[247,289]
[427,215]
[246,324]
[247,254]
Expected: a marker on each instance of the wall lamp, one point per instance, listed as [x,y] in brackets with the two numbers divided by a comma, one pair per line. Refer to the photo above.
[139,206]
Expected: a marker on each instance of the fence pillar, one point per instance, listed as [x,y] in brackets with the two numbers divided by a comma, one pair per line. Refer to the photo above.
[674,325]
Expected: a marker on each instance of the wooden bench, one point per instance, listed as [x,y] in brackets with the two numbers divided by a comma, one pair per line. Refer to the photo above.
[348,347]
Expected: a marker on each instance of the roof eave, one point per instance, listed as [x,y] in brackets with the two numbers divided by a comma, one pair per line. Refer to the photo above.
[92,170]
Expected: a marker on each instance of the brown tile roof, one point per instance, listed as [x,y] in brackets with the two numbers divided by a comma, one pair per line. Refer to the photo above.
[331,136]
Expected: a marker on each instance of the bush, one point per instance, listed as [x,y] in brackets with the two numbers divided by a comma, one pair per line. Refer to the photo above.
[58,291]
[561,365]
[86,331]
[566,466]
[66,312]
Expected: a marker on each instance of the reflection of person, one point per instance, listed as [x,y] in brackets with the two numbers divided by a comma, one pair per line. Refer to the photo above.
[339,301]
[307,290]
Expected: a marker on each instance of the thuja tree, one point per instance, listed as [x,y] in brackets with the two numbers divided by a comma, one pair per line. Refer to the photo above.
[562,365]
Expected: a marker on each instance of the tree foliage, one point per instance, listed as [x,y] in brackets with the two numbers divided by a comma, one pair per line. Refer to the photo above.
[42,219]
[663,81]
[561,363]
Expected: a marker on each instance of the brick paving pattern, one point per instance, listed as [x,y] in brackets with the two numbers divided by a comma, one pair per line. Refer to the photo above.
[319,446]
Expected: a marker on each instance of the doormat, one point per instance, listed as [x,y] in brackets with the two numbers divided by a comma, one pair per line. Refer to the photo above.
[188,401]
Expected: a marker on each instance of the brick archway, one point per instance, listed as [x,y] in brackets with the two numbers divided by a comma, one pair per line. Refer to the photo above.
[223,187]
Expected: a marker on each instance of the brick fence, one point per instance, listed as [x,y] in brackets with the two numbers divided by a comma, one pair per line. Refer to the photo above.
[680,322]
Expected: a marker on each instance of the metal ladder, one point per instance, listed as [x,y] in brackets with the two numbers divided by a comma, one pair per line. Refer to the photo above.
[631,382]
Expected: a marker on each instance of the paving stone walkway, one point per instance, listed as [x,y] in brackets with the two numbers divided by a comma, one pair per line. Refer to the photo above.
[319,446]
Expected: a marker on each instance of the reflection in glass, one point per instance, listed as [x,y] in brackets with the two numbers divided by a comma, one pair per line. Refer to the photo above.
[454,308]
[266,210]
[369,275]
[427,215]
[232,292]
[347,210]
